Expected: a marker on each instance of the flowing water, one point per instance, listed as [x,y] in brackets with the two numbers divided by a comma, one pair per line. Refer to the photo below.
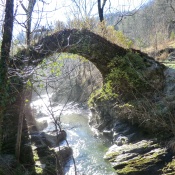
[88,149]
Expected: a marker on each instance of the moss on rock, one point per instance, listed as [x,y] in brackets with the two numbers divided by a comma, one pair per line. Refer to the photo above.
[141,164]
[135,159]
[169,169]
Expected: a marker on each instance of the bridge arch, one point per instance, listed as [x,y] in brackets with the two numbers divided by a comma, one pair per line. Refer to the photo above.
[101,53]
[97,50]
[93,47]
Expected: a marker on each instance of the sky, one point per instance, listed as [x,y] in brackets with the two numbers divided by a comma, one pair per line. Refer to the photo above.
[63,10]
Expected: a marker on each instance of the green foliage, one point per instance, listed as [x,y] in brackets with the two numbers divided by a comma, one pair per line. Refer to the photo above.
[172,35]
[39,170]
[71,56]
[55,68]
[104,93]
[85,22]
[125,77]
[107,92]
[125,105]
[126,73]
[50,67]
[113,35]
[126,42]
[29,83]
[53,65]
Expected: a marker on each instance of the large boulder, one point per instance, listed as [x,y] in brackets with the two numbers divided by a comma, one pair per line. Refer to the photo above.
[54,139]
[144,157]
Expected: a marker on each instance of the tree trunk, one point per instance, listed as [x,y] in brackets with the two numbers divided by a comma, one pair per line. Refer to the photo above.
[20,125]
[100,11]
[29,20]
[6,40]
[4,61]
[22,105]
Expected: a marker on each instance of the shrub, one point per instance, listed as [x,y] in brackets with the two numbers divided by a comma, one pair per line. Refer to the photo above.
[113,35]
[172,35]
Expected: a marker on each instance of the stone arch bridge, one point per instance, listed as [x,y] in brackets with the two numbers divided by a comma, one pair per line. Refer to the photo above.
[93,47]
[83,42]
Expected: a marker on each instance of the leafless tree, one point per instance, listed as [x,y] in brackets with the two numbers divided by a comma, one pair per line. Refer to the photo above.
[28,11]
[101,6]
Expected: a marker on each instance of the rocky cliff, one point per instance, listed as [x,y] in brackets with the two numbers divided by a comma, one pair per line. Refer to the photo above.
[140,122]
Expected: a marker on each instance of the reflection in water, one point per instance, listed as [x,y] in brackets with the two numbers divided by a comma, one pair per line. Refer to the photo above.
[88,150]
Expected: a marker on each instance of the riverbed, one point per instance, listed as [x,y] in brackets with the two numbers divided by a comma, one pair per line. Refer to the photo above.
[88,147]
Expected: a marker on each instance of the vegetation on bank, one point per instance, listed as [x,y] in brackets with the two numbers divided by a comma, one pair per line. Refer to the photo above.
[132,88]
[125,76]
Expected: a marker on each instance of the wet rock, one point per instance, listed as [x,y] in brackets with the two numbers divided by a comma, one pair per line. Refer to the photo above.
[133,153]
[36,138]
[116,135]
[132,137]
[124,133]
[138,147]
[121,140]
[64,154]
[107,133]
[120,127]
[53,139]
[171,56]
[101,117]
[151,109]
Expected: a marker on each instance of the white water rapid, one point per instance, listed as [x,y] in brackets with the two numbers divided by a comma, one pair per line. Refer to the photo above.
[88,149]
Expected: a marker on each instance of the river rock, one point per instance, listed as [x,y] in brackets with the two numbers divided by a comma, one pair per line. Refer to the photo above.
[143,157]
[169,169]
[101,117]
[53,139]
[107,133]
[121,140]
[171,56]
[36,138]
[64,154]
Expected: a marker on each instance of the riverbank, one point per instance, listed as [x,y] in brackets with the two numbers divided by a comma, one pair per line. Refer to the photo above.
[137,149]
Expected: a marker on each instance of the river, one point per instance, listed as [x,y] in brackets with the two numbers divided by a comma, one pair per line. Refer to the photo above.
[88,148]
